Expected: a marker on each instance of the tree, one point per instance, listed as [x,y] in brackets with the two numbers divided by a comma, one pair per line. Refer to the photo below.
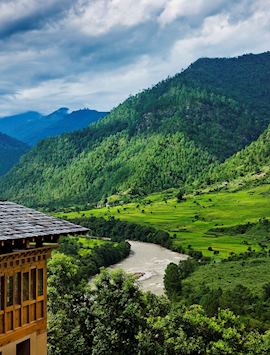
[266,291]
[180,195]
[63,281]
[172,281]
[190,331]
[117,308]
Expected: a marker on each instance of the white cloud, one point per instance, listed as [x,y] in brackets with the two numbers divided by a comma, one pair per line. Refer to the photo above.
[187,8]
[98,17]
[100,51]
[221,37]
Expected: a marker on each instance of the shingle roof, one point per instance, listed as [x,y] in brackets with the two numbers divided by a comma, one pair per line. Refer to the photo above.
[17,222]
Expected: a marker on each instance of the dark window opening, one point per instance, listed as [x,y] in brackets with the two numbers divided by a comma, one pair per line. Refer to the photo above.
[40,282]
[10,289]
[23,348]
[33,284]
[26,286]
[2,292]
[17,285]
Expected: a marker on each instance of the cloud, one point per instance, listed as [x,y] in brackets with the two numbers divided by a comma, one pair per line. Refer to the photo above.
[98,17]
[186,8]
[79,53]
[23,15]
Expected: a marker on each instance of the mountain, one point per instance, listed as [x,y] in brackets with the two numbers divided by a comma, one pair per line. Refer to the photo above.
[244,79]
[10,152]
[31,127]
[250,165]
[167,136]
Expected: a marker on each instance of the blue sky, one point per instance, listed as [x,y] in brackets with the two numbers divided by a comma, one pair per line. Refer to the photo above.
[95,53]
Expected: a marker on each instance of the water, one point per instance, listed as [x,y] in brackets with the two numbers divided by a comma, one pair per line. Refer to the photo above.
[149,262]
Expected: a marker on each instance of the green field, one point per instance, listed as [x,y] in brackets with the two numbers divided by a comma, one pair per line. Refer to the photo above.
[189,221]
[252,273]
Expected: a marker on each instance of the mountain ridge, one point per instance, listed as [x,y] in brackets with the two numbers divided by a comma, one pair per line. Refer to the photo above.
[31,127]
[166,136]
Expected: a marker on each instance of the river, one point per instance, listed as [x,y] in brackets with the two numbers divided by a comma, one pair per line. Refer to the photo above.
[150,261]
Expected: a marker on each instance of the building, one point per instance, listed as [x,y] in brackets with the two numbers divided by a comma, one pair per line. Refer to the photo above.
[27,238]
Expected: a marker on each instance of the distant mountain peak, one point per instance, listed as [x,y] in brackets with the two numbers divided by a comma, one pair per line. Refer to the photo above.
[61,110]
[168,136]
[30,127]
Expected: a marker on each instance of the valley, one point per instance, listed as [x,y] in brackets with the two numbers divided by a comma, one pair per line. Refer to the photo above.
[189,222]
[179,133]
[134,177]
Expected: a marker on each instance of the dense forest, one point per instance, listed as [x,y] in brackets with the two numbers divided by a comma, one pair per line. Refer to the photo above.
[166,136]
[10,152]
[250,164]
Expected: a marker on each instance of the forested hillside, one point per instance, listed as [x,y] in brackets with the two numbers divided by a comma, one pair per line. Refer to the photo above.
[252,164]
[10,152]
[166,136]
[244,78]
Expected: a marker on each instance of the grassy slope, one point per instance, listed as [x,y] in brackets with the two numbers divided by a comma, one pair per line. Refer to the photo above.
[228,275]
[248,166]
[213,209]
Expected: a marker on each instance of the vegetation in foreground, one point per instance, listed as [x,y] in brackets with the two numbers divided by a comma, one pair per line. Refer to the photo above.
[241,285]
[115,317]
[89,255]
[193,222]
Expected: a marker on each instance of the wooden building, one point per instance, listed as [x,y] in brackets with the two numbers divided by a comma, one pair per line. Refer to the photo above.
[27,238]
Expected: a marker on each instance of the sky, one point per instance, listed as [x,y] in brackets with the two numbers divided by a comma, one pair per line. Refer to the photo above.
[96,53]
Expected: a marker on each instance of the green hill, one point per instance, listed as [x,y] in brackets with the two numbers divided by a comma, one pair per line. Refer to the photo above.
[166,136]
[244,78]
[10,152]
[248,166]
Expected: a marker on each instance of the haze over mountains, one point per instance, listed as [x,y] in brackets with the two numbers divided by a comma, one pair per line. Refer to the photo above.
[30,127]
[171,135]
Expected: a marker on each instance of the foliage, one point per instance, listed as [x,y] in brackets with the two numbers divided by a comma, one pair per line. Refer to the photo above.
[10,152]
[175,132]
[250,165]
[120,231]
[191,331]
[90,254]
[227,285]
[118,312]
[115,317]
[70,310]
[172,281]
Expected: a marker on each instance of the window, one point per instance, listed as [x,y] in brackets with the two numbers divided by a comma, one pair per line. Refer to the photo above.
[10,288]
[17,288]
[33,284]
[26,286]
[2,292]
[40,282]
[23,348]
